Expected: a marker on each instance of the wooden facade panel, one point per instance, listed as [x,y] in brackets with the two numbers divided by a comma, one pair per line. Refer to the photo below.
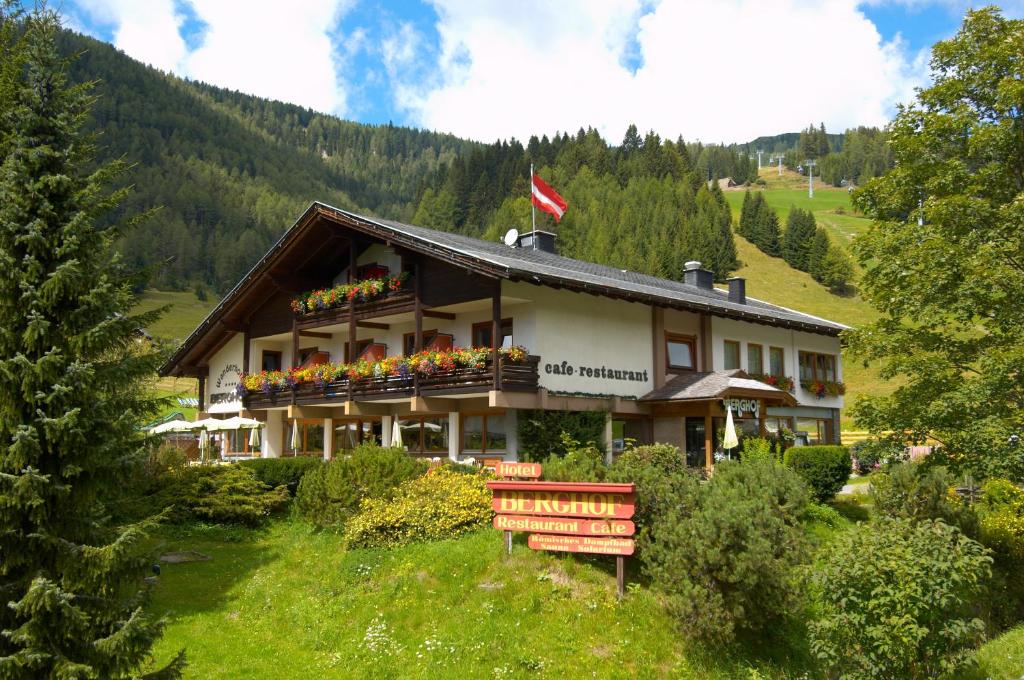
[273,316]
[444,284]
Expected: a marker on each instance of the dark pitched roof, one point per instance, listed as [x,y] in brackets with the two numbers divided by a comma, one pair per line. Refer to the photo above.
[535,266]
[693,386]
[527,264]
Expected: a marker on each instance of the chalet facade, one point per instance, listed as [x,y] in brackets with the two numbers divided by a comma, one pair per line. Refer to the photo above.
[348,328]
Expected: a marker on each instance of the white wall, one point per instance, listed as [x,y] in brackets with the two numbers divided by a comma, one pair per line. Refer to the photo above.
[792,343]
[575,333]
[225,369]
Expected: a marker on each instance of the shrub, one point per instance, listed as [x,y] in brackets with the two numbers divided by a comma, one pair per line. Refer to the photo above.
[726,561]
[894,600]
[759,449]
[1001,520]
[546,433]
[579,464]
[287,472]
[220,493]
[871,454]
[329,494]
[823,514]
[663,483]
[825,468]
[442,504]
[915,492]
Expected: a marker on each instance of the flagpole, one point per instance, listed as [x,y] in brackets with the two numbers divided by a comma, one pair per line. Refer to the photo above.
[533,210]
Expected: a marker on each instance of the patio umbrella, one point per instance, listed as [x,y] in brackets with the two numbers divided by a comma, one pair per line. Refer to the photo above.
[396,434]
[204,446]
[171,426]
[730,441]
[254,438]
[295,436]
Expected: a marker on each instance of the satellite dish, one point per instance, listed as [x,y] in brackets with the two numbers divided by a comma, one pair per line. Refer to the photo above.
[511,237]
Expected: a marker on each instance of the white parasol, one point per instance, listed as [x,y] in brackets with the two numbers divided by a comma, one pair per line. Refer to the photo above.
[729,441]
[396,434]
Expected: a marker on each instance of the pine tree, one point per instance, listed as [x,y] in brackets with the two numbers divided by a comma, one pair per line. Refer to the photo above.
[747,214]
[798,238]
[816,254]
[767,227]
[72,380]
[836,270]
[823,146]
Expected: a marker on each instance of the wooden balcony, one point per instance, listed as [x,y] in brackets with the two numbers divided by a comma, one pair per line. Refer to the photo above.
[513,377]
[396,302]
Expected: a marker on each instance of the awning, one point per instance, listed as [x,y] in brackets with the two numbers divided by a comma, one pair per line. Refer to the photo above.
[695,386]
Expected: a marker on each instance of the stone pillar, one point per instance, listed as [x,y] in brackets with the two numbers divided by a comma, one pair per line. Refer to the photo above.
[512,434]
[454,435]
[273,438]
[328,437]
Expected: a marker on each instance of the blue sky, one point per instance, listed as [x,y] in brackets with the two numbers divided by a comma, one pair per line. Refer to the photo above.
[717,70]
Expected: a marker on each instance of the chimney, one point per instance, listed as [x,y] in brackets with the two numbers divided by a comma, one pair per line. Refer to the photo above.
[538,240]
[693,275]
[738,290]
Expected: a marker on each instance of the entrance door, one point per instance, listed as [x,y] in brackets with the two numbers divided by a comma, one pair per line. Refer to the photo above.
[695,442]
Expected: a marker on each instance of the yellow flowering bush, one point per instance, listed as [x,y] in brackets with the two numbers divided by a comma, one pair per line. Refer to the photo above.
[1001,518]
[442,504]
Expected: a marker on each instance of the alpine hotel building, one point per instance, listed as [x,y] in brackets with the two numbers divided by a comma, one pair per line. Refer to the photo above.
[661,358]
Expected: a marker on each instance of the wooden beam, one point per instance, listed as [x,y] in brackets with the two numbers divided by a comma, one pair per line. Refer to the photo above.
[496,334]
[433,405]
[438,315]
[314,334]
[202,391]
[235,325]
[371,324]
[312,412]
[295,343]
[418,316]
[246,340]
[362,408]
[709,461]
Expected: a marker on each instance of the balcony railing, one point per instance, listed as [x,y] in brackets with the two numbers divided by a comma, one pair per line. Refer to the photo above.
[513,376]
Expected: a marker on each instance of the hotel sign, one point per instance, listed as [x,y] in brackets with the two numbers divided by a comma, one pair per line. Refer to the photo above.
[582,544]
[565,525]
[740,406]
[564,499]
[531,470]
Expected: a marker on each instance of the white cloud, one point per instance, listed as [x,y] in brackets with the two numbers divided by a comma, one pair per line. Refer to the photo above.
[271,50]
[148,31]
[255,46]
[718,70]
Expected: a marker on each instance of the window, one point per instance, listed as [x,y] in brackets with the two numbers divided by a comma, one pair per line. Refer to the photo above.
[732,354]
[817,367]
[310,438]
[428,434]
[271,361]
[776,362]
[352,433]
[680,351]
[482,334]
[238,442]
[819,430]
[484,434]
[409,341]
[361,345]
[755,359]
[306,352]
[371,270]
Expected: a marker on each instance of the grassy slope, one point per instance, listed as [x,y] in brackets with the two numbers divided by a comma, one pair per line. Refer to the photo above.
[288,601]
[290,598]
[185,313]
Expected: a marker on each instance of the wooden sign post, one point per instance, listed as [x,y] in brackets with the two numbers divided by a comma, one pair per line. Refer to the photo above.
[579,517]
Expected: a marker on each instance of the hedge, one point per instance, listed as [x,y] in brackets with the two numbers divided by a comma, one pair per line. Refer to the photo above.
[275,472]
[825,468]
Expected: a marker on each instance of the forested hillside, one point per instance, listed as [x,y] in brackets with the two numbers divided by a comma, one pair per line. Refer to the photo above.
[229,172]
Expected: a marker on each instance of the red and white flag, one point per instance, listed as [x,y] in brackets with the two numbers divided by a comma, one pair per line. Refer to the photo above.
[547,199]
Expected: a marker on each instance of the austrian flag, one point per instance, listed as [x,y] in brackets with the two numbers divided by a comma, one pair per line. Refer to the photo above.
[547,199]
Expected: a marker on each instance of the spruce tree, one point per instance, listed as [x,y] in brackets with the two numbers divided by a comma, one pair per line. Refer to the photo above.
[816,254]
[72,382]
[746,224]
[767,221]
[798,238]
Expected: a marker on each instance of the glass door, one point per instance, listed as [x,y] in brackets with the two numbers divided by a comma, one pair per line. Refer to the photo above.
[695,442]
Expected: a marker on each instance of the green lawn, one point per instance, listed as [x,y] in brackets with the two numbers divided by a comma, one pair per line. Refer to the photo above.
[288,601]
[185,313]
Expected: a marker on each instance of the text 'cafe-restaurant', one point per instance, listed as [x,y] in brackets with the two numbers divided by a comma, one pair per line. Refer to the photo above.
[354,328]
